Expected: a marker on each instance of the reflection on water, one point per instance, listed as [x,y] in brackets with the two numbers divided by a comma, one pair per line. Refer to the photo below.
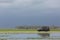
[30,36]
[23,36]
[44,35]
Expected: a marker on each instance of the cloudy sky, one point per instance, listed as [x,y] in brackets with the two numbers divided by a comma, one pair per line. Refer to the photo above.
[29,12]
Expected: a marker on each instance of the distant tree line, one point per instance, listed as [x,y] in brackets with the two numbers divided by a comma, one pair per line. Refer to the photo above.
[29,27]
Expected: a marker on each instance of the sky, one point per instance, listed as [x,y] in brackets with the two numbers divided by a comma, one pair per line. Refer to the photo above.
[29,12]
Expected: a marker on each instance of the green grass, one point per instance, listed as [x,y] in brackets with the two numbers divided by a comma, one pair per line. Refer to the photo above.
[55,30]
[26,31]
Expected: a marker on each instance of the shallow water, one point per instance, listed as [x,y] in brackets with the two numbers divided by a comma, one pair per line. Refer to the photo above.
[42,36]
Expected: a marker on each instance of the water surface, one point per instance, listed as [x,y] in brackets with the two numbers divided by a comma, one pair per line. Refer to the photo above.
[42,36]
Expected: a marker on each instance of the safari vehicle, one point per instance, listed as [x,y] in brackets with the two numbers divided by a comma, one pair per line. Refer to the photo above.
[44,28]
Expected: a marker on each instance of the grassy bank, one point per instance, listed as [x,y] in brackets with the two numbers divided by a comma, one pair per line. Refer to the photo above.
[26,31]
[55,30]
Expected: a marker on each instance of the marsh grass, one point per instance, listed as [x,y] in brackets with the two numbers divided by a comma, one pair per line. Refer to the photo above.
[26,31]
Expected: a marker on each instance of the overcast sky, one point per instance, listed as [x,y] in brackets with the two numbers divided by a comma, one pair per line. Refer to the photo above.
[29,12]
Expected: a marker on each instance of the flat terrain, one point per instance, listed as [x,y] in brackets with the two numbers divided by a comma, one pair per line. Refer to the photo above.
[25,31]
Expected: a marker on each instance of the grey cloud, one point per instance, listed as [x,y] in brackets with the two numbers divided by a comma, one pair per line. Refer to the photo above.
[24,12]
[36,8]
